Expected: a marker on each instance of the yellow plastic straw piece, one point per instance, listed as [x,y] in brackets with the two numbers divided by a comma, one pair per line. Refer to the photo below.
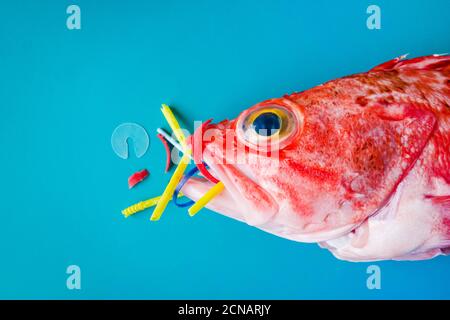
[168,192]
[141,206]
[174,125]
[207,197]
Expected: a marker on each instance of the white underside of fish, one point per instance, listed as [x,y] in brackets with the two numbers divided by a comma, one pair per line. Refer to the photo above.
[407,228]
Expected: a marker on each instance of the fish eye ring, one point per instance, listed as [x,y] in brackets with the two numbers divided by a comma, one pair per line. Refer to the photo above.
[268,126]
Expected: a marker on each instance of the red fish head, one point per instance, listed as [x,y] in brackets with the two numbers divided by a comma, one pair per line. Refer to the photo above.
[313,165]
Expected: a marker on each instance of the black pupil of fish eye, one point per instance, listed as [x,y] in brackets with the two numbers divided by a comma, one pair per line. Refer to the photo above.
[267,124]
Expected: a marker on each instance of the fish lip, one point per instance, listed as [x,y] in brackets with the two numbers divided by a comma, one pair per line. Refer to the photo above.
[244,207]
[224,207]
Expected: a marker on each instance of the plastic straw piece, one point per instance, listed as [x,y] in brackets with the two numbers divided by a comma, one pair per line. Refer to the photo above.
[168,192]
[141,206]
[207,197]
[174,125]
[180,185]
[169,138]
[198,154]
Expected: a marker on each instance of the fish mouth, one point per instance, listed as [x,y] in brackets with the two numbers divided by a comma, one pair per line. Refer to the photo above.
[242,199]
[223,203]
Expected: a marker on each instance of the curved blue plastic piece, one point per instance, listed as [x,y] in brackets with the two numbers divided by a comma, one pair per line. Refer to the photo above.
[180,185]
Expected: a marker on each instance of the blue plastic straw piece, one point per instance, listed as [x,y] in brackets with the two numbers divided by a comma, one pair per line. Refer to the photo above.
[180,185]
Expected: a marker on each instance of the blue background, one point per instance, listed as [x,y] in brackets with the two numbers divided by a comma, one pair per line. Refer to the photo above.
[62,93]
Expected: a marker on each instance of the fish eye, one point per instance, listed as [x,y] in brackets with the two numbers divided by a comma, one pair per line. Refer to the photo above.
[267,125]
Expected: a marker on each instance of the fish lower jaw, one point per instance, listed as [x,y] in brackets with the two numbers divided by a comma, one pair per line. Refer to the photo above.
[293,234]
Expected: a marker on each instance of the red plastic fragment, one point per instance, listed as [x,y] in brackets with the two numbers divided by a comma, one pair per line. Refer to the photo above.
[166,147]
[137,177]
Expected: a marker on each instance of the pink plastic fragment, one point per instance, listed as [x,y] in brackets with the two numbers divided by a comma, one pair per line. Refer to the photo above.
[137,177]
[166,147]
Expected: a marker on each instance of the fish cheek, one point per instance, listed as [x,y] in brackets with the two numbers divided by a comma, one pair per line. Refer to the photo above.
[370,160]
[385,151]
